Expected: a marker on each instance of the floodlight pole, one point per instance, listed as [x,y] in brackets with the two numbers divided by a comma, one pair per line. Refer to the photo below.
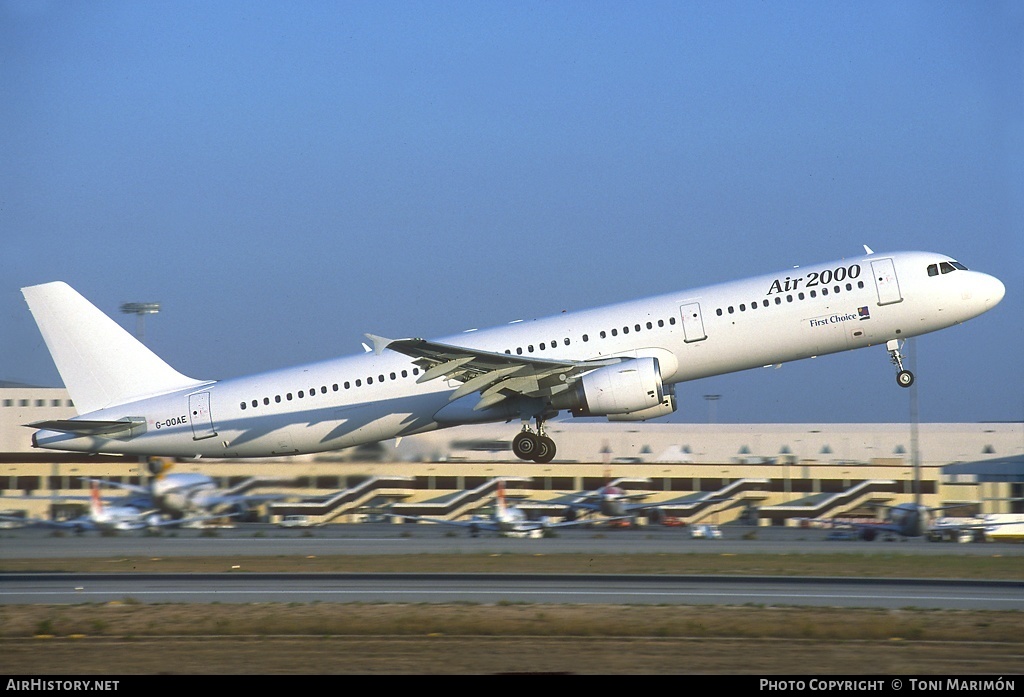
[140,310]
[915,453]
[711,399]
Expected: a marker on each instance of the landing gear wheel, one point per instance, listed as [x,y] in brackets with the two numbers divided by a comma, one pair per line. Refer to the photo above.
[545,450]
[904,378]
[525,445]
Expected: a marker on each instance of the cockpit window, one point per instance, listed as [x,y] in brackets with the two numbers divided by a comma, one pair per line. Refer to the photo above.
[945,267]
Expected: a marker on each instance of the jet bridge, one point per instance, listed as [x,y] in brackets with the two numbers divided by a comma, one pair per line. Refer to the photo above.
[459,503]
[346,501]
[693,507]
[868,493]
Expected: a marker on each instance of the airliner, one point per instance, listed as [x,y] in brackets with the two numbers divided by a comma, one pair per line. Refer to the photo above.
[104,517]
[619,362]
[917,520]
[186,494]
[610,500]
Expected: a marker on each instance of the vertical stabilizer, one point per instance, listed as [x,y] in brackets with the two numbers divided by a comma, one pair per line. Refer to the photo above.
[500,507]
[159,467]
[102,365]
[95,502]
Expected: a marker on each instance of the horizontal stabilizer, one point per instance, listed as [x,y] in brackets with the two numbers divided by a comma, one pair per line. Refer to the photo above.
[91,428]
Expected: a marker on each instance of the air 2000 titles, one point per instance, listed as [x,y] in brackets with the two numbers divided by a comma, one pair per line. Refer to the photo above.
[815,278]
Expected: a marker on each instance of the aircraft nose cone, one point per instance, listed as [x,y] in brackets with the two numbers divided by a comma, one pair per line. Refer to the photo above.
[995,291]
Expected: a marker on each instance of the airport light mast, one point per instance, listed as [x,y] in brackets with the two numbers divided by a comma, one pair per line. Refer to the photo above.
[712,399]
[140,310]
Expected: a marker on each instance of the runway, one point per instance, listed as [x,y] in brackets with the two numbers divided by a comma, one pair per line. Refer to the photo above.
[423,539]
[509,588]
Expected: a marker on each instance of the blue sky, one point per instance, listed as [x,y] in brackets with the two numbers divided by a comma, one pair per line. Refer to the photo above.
[285,176]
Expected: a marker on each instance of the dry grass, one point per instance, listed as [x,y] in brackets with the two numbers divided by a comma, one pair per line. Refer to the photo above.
[459,639]
[129,619]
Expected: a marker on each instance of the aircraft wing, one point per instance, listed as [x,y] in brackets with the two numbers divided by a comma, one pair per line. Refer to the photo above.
[496,376]
[593,502]
[232,499]
[126,500]
[981,523]
[583,521]
[879,526]
[171,522]
[476,524]
[135,488]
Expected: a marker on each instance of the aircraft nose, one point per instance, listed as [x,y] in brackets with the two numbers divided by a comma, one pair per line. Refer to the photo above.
[993,291]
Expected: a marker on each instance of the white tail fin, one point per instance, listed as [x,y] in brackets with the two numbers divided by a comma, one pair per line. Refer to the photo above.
[95,502]
[159,467]
[501,499]
[101,364]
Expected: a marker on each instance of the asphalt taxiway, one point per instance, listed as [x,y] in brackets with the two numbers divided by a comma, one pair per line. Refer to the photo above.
[384,538]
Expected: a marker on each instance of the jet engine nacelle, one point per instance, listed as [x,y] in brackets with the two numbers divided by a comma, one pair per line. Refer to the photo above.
[174,501]
[667,406]
[623,389]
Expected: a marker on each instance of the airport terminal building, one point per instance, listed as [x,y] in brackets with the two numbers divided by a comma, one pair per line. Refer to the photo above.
[779,474]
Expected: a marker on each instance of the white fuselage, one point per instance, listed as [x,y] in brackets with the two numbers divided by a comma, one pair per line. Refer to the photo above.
[723,328]
[183,492]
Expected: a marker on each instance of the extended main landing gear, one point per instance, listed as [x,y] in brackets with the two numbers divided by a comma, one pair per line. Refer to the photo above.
[528,445]
[904,378]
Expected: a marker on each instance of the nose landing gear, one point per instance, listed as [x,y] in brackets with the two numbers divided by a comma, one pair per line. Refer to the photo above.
[904,378]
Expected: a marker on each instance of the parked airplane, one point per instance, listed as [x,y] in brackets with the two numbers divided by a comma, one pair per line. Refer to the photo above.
[620,362]
[1003,527]
[918,520]
[610,500]
[183,494]
[505,520]
[105,517]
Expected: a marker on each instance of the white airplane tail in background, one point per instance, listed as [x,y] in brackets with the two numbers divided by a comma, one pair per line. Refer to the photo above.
[501,508]
[100,362]
[95,502]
